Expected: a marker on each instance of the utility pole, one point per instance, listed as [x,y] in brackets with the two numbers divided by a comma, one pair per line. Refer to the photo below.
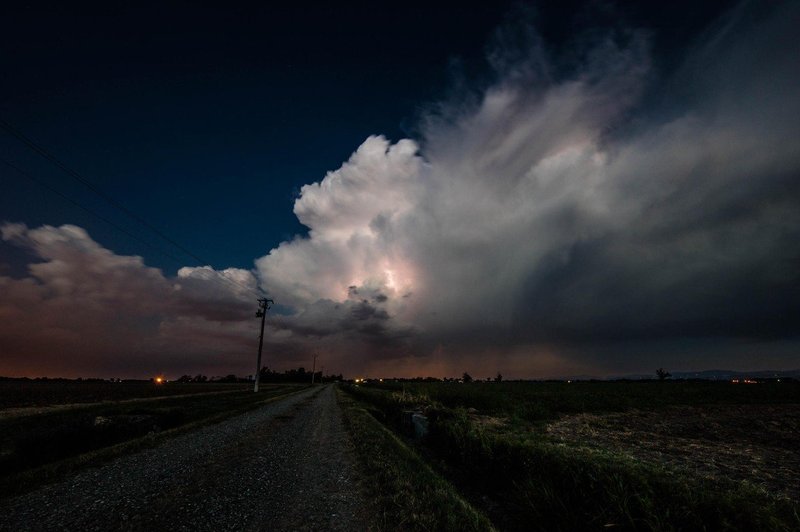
[263,307]
[314,368]
[322,375]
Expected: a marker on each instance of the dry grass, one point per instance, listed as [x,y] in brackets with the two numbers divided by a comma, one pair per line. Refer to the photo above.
[752,443]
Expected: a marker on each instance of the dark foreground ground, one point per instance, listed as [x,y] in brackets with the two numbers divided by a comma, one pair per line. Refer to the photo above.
[285,466]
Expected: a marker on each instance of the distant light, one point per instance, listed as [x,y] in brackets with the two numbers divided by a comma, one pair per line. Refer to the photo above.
[159,380]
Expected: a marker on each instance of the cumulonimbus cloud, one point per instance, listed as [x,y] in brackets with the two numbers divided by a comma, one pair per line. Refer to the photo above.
[534,230]
[571,212]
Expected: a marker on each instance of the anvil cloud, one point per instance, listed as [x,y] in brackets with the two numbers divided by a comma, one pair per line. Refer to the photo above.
[600,218]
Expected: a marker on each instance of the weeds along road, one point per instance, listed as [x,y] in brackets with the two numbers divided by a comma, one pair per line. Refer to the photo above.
[285,466]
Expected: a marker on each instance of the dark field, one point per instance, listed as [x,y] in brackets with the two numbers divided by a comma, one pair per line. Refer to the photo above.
[80,423]
[39,393]
[544,401]
[598,455]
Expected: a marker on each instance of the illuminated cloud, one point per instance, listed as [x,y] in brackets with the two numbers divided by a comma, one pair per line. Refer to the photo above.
[349,215]
[574,213]
[602,218]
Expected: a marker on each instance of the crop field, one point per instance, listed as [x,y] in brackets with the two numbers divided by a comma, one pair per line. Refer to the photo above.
[600,455]
[24,393]
[80,423]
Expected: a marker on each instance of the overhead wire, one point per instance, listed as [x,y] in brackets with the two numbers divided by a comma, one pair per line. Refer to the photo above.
[203,272]
[102,218]
[88,184]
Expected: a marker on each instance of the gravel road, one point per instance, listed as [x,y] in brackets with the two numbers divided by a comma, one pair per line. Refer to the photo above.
[285,466]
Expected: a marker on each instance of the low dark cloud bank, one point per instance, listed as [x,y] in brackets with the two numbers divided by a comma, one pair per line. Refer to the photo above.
[552,224]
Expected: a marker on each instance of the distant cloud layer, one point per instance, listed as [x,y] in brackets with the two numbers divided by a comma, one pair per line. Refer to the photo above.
[85,311]
[599,220]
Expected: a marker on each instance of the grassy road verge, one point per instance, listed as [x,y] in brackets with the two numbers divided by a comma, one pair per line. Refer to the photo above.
[406,493]
[524,480]
[42,448]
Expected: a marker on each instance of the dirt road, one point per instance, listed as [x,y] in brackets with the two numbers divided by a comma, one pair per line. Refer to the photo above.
[285,466]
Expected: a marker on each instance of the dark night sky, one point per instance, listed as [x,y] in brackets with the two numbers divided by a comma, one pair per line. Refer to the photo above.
[616,181]
[206,121]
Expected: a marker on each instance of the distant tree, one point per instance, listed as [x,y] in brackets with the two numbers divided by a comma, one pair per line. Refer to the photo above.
[200,378]
[267,375]
[297,375]
[466,377]
[663,374]
[185,378]
[499,377]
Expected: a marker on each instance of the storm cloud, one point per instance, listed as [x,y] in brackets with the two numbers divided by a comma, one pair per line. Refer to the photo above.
[572,212]
[598,218]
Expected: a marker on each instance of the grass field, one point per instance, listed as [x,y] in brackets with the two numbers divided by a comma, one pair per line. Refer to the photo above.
[42,443]
[544,401]
[650,455]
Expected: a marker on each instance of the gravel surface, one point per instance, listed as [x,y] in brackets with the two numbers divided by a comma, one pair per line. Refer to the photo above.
[286,466]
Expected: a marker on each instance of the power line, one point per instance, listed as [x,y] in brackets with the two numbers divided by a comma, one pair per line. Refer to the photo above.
[45,185]
[88,184]
[201,271]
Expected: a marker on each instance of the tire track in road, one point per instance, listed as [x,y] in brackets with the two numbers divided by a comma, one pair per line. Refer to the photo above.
[285,466]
